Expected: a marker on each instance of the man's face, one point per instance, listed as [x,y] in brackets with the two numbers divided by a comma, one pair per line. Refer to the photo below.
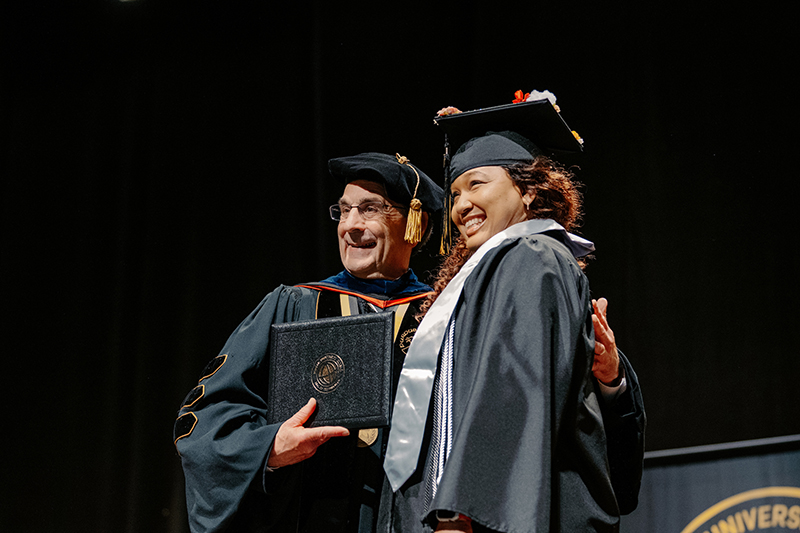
[376,248]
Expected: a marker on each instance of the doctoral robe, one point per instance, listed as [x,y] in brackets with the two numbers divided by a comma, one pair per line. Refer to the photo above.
[224,440]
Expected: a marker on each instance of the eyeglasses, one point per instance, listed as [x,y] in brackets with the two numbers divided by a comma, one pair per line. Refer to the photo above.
[368,210]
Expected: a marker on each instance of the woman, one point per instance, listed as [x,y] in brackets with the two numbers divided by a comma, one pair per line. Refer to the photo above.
[515,437]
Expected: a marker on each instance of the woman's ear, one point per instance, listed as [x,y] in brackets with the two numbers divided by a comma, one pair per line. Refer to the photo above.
[528,199]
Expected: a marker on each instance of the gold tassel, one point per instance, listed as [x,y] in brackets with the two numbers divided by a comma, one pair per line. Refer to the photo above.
[414,222]
[447,233]
[446,241]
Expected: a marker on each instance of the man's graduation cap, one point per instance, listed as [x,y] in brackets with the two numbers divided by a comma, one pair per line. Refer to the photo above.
[501,135]
[404,183]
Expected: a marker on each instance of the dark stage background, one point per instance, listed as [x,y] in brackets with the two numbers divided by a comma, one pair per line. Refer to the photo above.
[165,167]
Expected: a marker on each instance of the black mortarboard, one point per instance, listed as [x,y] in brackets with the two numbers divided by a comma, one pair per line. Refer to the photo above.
[537,121]
[502,135]
[404,183]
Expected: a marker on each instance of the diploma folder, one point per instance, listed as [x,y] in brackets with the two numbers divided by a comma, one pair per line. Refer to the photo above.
[345,363]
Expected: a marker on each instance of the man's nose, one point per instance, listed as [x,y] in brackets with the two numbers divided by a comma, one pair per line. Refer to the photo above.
[352,221]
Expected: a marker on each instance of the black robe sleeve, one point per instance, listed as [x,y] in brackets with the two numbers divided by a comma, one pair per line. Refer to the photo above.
[529,448]
[221,432]
[624,421]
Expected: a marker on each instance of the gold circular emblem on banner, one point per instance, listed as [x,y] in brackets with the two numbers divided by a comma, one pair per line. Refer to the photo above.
[767,516]
[328,373]
[367,437]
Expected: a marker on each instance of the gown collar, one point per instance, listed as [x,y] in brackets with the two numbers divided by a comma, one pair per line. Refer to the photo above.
[406,284]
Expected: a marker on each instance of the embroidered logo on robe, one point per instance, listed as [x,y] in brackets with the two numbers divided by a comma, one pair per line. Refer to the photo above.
[367,437]
[328,373]
[405,339]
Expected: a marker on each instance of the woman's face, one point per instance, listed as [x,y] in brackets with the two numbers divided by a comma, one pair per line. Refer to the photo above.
[485,202]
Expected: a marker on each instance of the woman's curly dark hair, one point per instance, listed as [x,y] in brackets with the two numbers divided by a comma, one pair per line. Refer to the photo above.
[556,196]
[556,193]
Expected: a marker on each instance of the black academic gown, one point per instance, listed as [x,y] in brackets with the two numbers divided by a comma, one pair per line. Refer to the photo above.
[224,440]
[529,446]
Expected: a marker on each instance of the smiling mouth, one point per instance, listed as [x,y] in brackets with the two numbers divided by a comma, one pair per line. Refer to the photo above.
[364,246]
[473,224]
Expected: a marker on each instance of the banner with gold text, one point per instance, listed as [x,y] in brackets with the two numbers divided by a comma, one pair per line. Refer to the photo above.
[735,488]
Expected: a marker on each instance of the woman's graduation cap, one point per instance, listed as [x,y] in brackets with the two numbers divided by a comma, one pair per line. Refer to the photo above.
[501,135]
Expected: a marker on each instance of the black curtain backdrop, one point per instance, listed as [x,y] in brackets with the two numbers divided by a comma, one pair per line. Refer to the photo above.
[165,167]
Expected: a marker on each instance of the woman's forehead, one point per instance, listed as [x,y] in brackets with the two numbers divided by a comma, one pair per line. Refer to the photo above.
[488,171]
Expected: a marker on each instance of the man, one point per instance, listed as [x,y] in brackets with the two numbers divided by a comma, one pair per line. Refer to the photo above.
[243,474]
